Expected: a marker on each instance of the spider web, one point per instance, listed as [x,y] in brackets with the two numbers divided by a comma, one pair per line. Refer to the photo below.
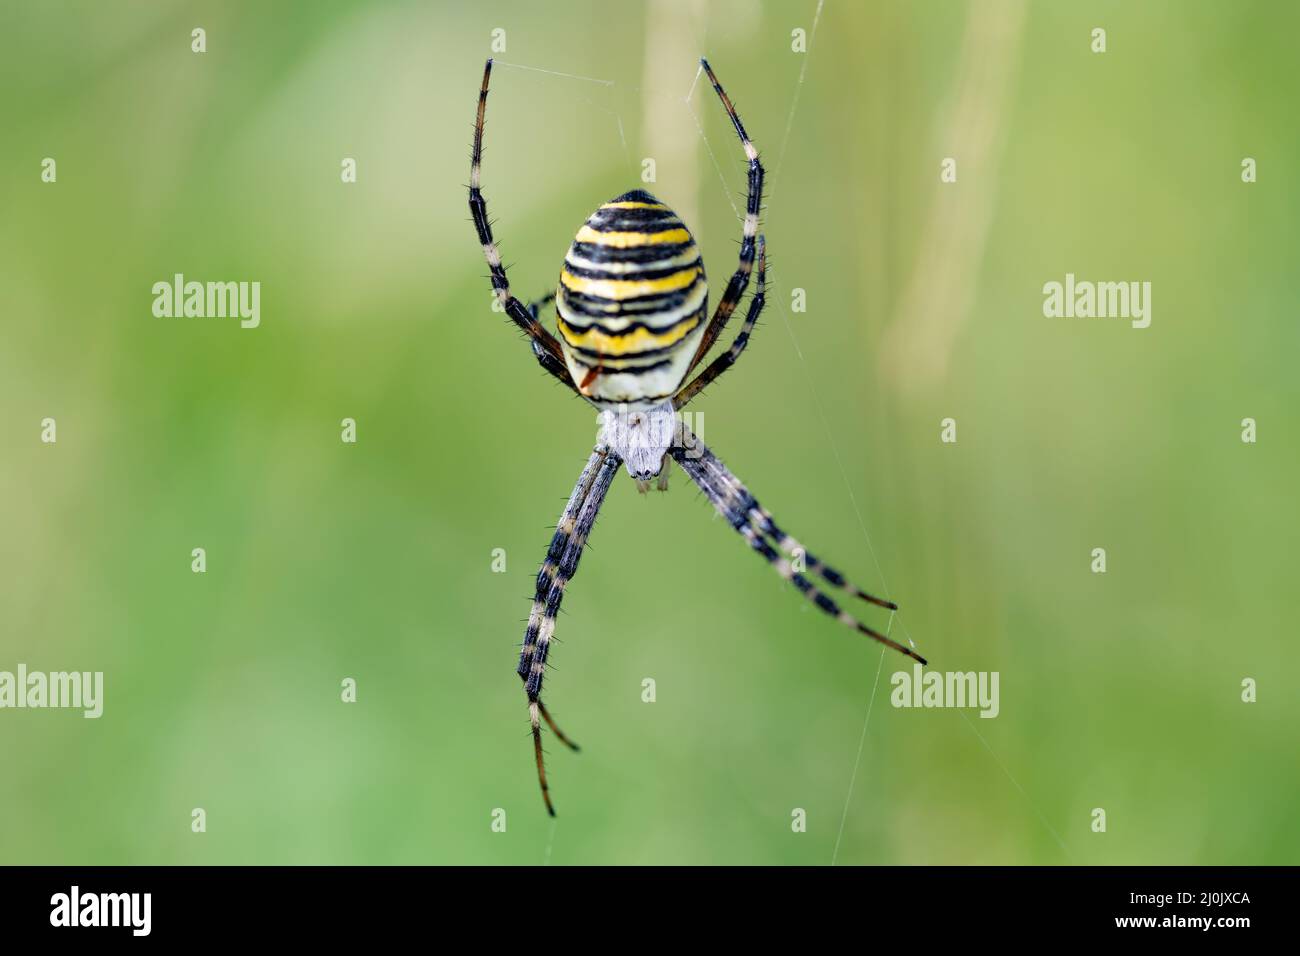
[773,180]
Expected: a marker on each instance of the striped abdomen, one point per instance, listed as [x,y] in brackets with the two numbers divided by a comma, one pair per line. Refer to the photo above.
[632,302]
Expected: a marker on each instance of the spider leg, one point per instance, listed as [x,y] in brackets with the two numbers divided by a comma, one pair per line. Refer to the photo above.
[555,729]
[787,543]
[545,347]
[554,554]
[559,542]
[662,483]
[761,517]
[728,358]
[535,307]
[828,574]
[740,278]
[742,510]
[558,569]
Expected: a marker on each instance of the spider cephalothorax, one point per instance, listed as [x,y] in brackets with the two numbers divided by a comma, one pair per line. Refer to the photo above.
[630,309]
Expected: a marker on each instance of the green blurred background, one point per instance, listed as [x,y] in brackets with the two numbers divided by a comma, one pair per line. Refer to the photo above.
[373,560]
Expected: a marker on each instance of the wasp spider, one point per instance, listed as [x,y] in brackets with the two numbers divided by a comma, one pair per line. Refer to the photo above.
[631,310]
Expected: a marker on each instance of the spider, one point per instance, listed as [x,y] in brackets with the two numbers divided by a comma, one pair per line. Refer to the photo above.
[631,309]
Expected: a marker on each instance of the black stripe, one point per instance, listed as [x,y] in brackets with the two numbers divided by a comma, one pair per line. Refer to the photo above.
[631,369]
[825,603]
[478,209]
[636,195]
[633,325]
[589,306]
[630,254]
[634,276]
[755,201]
[634,220]
[616,224]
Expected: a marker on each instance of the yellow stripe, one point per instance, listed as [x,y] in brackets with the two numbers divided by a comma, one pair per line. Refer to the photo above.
[625,240]
[618,316]
[620,289]
[634,205]
[640,340]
